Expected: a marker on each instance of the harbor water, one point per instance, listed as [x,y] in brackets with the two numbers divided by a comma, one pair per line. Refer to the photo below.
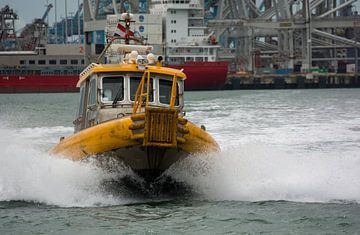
[290,164]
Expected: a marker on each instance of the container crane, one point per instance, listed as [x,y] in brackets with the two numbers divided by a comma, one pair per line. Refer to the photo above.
[34,34]
[76,27]
[48,8]
[7,27]
[78,11]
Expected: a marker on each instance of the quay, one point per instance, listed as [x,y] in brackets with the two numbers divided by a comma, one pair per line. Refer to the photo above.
[292,81]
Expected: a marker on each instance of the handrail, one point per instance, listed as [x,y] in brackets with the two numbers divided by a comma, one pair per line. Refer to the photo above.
[147,90]
[173,92]
[140,93]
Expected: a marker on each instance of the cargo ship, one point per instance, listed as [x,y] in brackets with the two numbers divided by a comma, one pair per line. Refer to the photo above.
[46,69]
[204,75]
[190,45]
[29,64]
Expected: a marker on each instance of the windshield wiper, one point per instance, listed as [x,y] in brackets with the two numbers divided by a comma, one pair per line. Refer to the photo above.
[117,96]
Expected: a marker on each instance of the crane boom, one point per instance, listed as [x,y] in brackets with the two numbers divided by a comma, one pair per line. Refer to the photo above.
[78,11]
[48,8]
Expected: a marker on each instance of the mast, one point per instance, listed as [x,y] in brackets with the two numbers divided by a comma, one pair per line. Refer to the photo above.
[78,21]
[66,19]
[56,30]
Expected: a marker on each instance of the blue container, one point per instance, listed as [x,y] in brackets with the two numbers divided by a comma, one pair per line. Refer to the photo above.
[283,71]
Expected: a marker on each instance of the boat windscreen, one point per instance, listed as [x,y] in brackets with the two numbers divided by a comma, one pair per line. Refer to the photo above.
[165,87]
[134,83]
[113,89]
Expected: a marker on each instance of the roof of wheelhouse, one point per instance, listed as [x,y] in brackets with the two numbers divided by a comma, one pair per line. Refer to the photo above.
[105,68]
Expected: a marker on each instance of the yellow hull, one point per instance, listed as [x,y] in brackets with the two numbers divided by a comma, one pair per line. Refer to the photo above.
[118,138]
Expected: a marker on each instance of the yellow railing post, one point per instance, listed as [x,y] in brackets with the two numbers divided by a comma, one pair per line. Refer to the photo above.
[173,92]
[147,90]
[140,92]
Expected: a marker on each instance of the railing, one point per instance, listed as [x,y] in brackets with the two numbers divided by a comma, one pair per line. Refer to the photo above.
[141,94]
[160,123]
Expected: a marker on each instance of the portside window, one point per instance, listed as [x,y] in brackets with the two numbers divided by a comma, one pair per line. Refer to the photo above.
[92,94]
[165,87]
[113,89]
[81,102]
[134,83]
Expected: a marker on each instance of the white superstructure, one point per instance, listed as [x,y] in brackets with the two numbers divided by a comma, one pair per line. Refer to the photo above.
[144,25]
[185,35]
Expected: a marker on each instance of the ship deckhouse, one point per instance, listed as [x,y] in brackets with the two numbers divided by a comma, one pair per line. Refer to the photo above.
[186,35]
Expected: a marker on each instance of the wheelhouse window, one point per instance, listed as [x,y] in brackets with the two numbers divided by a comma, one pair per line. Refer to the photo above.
[81,102]
[165,87]
[92,94]
[113,89]
[134,83]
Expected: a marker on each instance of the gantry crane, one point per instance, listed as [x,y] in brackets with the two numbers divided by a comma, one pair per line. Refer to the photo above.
[289,34]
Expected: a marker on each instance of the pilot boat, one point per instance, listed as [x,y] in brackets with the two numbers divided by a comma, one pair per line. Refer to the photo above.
[133,110]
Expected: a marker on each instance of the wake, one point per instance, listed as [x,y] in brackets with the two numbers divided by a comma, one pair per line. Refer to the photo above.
[241,173]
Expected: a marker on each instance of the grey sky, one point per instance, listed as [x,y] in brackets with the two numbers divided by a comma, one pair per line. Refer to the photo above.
[27,10]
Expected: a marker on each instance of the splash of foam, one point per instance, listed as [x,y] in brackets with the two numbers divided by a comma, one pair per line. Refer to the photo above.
[257,173]
[245,172]
[30,174]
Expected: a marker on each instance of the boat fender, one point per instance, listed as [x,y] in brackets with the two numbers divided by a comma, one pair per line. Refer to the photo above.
[203,127]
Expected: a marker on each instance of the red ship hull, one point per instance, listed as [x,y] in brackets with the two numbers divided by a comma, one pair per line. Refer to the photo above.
[38,83]
[204,75]
[200,76]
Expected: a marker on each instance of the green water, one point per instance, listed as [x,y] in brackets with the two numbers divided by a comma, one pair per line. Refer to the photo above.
[183,217]
[289,164]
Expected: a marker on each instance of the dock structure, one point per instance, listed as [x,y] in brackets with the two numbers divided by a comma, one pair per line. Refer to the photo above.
[293,81]
[267,36]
